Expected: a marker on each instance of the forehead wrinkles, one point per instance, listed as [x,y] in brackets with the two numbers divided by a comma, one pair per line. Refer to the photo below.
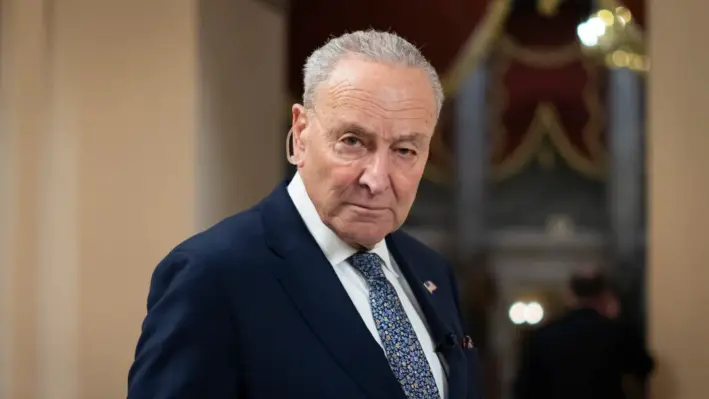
[343,94]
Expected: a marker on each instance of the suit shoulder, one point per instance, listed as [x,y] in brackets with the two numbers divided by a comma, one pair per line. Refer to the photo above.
[227,233]
[229,242]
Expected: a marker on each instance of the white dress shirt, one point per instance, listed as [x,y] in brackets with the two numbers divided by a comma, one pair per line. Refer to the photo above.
[337,252]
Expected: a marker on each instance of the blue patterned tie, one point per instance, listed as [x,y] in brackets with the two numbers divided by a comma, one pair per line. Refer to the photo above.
[402,348]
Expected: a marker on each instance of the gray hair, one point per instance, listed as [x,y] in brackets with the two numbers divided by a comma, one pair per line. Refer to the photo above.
[373,45]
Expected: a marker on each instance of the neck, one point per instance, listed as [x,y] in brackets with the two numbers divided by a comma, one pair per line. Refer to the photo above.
[360,247]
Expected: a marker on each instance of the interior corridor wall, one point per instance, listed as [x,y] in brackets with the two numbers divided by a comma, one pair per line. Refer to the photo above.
[125,127]
[242,95]
[678,165]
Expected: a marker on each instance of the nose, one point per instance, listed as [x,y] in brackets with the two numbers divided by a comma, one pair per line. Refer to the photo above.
[376,173]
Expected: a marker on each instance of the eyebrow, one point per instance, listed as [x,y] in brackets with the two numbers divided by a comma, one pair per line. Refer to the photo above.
[362,131]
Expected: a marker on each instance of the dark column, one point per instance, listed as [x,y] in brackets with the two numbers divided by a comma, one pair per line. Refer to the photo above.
[626,192]
[625,138]
[472,160]
[471,164]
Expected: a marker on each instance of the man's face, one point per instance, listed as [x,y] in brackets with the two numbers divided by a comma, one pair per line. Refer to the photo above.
[362,149]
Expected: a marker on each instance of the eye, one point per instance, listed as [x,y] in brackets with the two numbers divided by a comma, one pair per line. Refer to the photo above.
[406,152]
[352,141]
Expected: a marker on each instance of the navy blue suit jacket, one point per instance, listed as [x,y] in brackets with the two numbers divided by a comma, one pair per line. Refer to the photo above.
[251,308]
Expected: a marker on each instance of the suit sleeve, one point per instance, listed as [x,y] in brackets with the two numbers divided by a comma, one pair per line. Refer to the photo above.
[186,348]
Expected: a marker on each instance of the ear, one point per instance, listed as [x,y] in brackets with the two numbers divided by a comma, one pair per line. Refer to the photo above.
[300,128]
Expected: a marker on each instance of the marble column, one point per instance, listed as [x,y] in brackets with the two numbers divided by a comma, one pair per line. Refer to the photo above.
[678,170]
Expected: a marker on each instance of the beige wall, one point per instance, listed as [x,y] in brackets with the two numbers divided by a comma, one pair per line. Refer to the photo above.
[126,125]
[242,49]
[679,197]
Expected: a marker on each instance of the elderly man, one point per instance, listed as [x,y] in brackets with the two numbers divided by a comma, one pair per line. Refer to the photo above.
[313,293]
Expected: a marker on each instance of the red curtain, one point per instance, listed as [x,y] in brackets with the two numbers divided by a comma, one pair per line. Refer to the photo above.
[439,28]
[544,94]
[545,91]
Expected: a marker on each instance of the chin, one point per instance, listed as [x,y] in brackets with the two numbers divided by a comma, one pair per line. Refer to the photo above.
[357,227]
[362,233]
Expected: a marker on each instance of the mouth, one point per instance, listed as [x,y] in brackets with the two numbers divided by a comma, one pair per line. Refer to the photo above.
[367,208]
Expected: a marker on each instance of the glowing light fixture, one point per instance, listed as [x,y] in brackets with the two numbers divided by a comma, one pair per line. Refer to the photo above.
[526,313]
[534,313]
[517,311]
[613,38]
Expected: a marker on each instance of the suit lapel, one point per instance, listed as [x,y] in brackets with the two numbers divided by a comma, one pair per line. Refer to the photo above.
[442,330]
[314,287]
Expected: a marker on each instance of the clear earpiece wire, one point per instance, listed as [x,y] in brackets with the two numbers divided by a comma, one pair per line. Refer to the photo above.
[289,157]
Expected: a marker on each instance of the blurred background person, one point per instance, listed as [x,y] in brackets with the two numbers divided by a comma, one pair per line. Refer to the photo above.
[585,353]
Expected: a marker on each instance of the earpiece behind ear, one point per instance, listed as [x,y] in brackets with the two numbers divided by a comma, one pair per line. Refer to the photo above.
[289,148]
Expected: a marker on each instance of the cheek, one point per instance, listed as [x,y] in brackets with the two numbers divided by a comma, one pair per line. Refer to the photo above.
[341,178]
[337,183]
[405,186]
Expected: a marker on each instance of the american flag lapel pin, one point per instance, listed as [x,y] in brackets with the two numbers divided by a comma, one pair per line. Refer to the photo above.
[430,286]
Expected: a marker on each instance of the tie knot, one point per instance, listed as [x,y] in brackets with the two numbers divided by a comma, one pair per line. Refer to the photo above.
[369,264]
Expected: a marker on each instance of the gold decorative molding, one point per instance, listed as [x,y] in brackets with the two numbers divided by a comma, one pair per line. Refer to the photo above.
[477,46]
[525,151]
[591,133]
[546,122]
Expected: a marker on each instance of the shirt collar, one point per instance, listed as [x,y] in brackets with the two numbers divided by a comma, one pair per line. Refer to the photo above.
[336,251]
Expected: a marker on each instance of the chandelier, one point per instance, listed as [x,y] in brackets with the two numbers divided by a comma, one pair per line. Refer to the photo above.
[614,38]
